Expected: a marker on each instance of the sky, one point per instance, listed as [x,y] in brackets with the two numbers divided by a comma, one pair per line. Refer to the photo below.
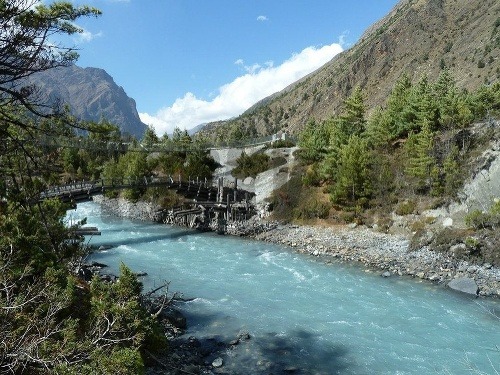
[189,62]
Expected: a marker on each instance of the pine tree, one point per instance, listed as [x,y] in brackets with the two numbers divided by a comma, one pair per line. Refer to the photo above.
[350,122]
[352,180]
[451,104]
[378,130]
[313,141]
[150,138]
[425,105]
[420,162]
[452,172]
[398,108]
[352,119]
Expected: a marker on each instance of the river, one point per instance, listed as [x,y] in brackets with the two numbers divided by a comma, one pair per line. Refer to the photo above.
[304,316]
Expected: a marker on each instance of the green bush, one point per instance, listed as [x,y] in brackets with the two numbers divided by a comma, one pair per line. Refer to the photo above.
[482,220]
[123,361]
[250,165]
[473,245]
[312,177]
[313,209]
[405,208]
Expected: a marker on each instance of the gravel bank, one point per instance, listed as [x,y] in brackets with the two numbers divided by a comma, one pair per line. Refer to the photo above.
[388,253]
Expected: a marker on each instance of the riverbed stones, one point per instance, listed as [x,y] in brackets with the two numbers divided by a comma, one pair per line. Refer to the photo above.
[217,362]
[464,285]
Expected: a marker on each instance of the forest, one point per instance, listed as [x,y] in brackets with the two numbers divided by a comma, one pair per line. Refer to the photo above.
[414,148]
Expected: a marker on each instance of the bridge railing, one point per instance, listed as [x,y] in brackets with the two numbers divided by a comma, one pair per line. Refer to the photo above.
[144,181]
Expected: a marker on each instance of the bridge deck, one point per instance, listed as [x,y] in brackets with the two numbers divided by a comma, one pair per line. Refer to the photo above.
[192,189]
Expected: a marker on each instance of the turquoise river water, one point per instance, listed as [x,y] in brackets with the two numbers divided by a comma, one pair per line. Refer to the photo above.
[304,316]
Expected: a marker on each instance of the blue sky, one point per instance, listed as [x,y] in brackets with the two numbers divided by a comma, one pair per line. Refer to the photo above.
[188,62]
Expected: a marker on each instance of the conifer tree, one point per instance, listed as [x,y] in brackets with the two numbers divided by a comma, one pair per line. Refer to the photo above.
[452,104]
[378,130]
[398,107]
[420,162]
[352,119]
[313,141]
[452,172]
[352,180]
[425,105]
[150,138]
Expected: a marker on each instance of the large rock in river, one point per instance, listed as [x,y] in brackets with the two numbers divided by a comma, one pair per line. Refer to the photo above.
[465,285]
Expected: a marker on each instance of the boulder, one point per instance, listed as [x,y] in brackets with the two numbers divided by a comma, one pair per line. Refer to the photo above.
[464,285]
[175,318]
[248,181]
[386,274]
[243,335]
[217,362]
[448,222]
[99,265]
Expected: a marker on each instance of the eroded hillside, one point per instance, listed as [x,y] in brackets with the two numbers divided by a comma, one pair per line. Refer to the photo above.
[418,37]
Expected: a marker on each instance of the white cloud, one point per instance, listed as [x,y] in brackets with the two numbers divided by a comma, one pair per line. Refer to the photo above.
[262,18]
[86,36]
[237,96]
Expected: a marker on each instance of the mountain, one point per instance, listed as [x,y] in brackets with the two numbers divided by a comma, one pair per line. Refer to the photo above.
[418,37]
[92,95]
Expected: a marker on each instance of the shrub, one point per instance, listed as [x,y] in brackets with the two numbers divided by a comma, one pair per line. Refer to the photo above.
[250,165]
[484,220]
[405,208]
[313,209]
[473,245]
[312,176]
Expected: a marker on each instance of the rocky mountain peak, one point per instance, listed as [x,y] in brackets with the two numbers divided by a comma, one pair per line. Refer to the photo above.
[92,95]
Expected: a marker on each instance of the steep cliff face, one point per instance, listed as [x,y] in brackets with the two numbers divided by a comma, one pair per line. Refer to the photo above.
[91,95]
[417,37]
[483,188]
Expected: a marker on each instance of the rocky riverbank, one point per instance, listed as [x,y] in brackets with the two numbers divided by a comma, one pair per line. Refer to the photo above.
[388,253]
[391,254]
[144,211]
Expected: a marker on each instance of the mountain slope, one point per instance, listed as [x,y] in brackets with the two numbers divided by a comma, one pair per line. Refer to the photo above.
[91,95]
[417,37]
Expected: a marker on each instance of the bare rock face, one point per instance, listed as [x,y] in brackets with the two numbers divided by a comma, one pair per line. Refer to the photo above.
[482,189]
[92,95]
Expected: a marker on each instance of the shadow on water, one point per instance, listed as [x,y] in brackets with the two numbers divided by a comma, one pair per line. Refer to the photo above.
[133,227]
[145,239]
[299,351]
